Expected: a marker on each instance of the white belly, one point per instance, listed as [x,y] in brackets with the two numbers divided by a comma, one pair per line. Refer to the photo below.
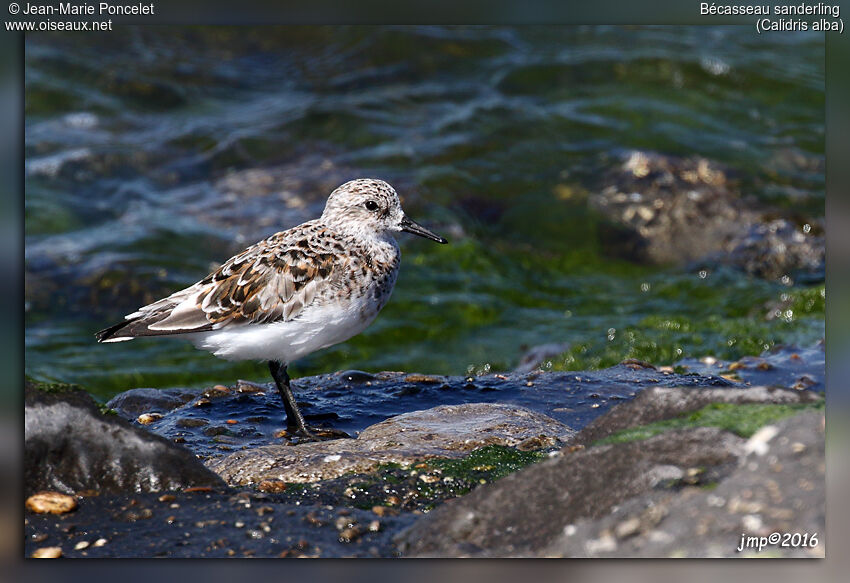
[315,328]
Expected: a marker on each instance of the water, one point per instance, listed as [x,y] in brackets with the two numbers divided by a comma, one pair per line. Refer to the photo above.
[158,152]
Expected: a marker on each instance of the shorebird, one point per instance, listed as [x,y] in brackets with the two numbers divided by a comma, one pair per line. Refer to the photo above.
[296,292]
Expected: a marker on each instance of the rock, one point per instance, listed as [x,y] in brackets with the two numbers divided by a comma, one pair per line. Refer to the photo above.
[658,403]
[445,431]
[785,366]
[71,446]
[135,402]
[47,553]
[779,488]
[525,511]
[777,248]
[51,502]
[595,499]
[213,524]
[664,209]
[148,418]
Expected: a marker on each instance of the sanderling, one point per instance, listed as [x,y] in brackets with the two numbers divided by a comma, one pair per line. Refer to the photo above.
[298,291]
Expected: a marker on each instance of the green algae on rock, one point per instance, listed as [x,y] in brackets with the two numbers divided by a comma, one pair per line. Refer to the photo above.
[741,419]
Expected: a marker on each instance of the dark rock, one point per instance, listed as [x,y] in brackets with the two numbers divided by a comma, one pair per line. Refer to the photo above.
[658,403]
[663,209]
[777,487]
[777,248]
[211,524]
[71,446]
[130,404]
[527,510]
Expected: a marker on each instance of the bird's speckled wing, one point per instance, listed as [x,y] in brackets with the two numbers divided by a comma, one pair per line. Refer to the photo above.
[271,281]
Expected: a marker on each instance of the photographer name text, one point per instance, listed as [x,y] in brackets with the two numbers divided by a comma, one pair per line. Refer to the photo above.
[101,9]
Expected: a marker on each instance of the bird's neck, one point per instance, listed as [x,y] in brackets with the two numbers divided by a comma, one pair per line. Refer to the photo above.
[380,244]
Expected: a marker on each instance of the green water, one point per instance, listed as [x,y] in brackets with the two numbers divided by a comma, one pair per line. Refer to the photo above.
[493,136]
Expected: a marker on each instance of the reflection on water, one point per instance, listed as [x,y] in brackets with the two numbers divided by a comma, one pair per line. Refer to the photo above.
[153,154]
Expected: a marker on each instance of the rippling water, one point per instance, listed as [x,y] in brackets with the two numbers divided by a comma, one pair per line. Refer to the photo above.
[153,154]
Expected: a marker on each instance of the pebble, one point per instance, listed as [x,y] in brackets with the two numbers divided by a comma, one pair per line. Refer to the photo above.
[343,522]
[605,543]
[243,387]
[627,528]
[52,502]
[271,486]
[83,544]
[99,542]
[47,553]
[384,511]
[148,418]
[421,378]
[216,391]
[349,534]
[758,443]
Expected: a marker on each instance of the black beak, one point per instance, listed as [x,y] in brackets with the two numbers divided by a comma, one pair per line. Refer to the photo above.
[417,229]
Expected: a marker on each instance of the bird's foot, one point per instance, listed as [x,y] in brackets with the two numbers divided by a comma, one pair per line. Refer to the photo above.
[298,435]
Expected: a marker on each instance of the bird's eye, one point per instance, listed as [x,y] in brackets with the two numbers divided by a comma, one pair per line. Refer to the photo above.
[371,205]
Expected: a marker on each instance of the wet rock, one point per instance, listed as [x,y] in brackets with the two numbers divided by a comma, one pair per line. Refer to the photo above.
[446,431]
[782,366]
[51,502]
[664,209]
[778,487]
[526,510]
[130,404]
[214,524]
[658,403]
[71,446]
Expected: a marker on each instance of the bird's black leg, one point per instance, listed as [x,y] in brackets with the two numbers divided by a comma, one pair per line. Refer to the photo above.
[294,418]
